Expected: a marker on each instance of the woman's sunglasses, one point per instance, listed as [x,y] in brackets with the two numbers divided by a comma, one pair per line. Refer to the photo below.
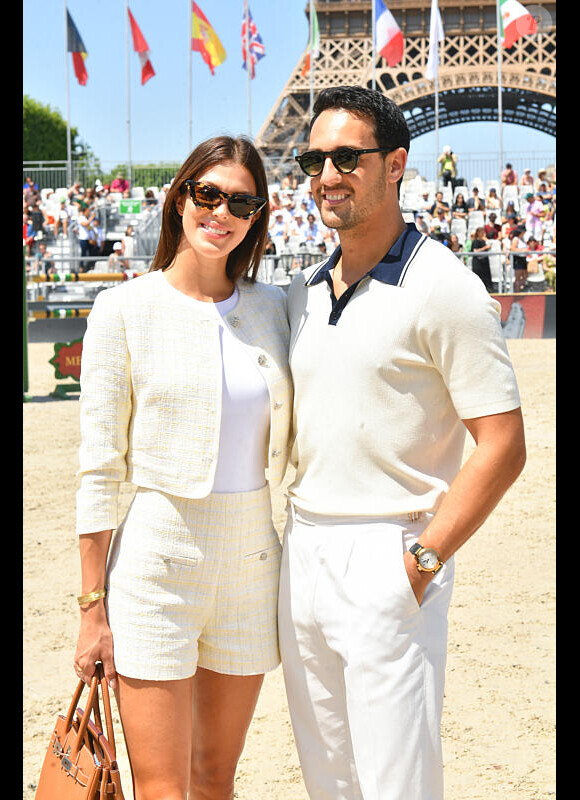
[345,159]
[240,205]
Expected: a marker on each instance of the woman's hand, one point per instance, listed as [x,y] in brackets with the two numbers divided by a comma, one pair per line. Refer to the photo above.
[95,643]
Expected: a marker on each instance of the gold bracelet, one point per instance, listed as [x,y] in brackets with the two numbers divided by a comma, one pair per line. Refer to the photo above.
[88,598]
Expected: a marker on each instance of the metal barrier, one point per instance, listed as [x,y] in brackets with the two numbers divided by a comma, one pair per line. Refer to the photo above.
[504,273]
[45,291]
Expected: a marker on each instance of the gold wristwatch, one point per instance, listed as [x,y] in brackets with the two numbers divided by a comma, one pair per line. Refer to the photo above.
[427,558]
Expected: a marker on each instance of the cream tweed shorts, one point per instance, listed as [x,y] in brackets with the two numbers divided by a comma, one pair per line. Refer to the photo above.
[194,583]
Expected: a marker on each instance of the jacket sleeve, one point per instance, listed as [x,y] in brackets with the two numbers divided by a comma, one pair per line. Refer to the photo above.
[105,413]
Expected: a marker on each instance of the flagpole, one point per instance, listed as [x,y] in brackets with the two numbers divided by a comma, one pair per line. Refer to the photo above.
[248,68]
[436,114]
[311,57]
[374,51]
[189,77]
[68,138]
[128,82]
[499,97]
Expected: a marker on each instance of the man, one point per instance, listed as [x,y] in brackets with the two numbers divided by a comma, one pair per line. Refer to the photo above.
[509,177]
[448,169]
[475,203]
[396,349]
[439,226]
[534,212]
[438,203]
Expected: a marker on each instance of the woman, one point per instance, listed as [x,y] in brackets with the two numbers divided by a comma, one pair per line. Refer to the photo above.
[85,233]
[519,262]
[510,213]
[186,393]
[454,244]
[459,208]
[492,203]
[480,263]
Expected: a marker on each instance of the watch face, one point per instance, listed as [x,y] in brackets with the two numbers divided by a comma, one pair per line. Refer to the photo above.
[428,559]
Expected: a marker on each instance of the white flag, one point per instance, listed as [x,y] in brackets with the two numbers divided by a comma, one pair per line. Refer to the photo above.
[436,35]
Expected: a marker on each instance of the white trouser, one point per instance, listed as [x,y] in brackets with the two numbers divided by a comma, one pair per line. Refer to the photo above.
[364,664]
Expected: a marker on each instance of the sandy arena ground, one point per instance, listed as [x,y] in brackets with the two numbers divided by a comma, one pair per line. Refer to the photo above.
[499,715]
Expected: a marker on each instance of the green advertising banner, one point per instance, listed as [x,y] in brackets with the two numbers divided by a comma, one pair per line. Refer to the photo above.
[129,206]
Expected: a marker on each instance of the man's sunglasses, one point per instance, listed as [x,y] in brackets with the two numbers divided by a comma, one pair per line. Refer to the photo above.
[240,205]
[345,159]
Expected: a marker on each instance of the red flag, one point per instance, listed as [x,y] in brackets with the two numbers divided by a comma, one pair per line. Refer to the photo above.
[142,49]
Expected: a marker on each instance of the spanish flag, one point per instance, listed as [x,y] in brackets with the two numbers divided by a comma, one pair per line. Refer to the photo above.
[205,40]
[75,45]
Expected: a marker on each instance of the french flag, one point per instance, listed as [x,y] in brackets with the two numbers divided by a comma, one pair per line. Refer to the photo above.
[388,37]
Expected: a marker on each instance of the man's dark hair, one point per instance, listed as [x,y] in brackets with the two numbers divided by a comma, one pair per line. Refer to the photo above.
[390,126]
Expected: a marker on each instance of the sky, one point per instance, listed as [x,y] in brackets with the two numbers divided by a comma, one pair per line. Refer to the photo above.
[159,110]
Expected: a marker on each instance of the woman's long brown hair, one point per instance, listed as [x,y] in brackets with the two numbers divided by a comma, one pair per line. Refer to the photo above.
[244,260]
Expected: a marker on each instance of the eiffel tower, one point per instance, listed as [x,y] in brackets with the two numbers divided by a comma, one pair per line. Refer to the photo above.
[468,71]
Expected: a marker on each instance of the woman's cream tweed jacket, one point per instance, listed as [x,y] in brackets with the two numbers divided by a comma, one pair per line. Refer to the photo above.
[151,380]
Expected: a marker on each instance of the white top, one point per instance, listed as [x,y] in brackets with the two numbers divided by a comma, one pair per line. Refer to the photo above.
[245,414]
[380,390]
[152,379]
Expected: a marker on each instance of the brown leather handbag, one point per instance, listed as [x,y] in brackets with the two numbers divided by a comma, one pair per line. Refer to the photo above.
[80,763]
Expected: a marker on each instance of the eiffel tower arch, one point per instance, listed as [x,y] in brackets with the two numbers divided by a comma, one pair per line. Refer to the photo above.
[468,71]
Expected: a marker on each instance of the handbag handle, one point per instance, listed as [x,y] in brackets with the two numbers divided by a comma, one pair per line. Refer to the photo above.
[92,703]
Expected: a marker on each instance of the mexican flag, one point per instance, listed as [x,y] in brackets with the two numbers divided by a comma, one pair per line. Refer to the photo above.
[313,49]
[515,21]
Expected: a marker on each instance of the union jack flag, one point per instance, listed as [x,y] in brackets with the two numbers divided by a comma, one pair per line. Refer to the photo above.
[256,47]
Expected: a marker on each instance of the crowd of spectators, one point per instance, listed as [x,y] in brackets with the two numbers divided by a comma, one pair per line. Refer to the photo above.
[50,216]
[295,223]
[467,220]
[520,218]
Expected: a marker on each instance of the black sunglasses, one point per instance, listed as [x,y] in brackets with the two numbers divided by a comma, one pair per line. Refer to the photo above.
[345,159]
[240,205]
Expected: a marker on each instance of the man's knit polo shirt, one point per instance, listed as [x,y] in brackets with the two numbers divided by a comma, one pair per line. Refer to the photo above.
[384,376]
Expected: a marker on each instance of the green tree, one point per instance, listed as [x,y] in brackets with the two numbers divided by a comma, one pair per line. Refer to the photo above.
[44,133]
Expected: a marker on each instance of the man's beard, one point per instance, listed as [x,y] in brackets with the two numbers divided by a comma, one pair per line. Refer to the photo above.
[352,215]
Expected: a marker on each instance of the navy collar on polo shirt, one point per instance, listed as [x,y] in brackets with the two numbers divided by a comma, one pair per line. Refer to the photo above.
[390,269]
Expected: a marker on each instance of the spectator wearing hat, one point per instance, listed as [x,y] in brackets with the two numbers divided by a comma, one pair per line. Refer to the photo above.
[114,263]
[510,214]
[297,227]
[448,169]
[439,226]
[542,178]
[492,201]
[119,184]
[421,223]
